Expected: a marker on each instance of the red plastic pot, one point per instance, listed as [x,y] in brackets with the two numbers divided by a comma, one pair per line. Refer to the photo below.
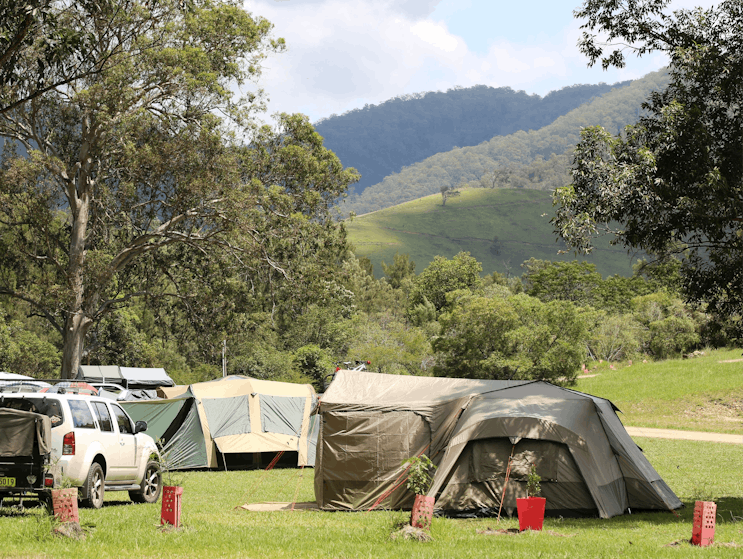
[64,504]
[531,512]
[422,512]
[171,509]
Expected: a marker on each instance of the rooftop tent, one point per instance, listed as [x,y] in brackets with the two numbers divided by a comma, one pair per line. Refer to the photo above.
[13,377]
[244,415]
[100,373]
[131,377]
[140,377]
[371,422]
[176,426]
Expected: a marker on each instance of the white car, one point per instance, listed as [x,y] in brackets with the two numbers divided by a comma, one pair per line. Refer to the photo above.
[98,446]
[111,391]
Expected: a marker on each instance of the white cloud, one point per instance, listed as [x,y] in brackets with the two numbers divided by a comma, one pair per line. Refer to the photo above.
[343,54]
[435,34]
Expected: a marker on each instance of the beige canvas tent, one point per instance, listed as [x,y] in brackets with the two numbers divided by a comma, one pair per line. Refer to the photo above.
[371,422]
[244,415]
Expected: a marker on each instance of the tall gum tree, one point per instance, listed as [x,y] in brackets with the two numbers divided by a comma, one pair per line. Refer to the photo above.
[137,171]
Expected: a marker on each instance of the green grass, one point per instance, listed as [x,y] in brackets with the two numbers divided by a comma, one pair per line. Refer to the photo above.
[651,394]
[699,394]
[213,528]
[424,228]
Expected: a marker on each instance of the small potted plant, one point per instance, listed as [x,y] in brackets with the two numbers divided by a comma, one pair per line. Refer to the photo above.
[172,489]
[420,469]
[63,495]
[531,508]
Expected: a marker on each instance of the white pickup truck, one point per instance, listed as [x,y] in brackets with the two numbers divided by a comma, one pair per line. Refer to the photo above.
[96,445]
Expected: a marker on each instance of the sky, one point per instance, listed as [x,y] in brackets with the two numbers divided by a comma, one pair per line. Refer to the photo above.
[344,54]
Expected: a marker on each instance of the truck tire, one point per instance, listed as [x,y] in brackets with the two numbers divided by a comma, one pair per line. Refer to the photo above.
[94,488]
[149,490]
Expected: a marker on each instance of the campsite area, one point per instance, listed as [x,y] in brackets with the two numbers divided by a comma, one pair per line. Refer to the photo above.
[214,527]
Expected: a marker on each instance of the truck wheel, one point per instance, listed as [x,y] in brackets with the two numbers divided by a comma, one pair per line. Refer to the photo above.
[94,487]
[45,499]
[149,491]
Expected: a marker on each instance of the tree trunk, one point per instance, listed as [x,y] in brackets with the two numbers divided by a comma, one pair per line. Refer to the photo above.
[76,328]
[77,322]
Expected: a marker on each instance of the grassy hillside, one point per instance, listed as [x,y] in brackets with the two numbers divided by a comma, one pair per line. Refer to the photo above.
[700,394]
[471,222]
[551,144]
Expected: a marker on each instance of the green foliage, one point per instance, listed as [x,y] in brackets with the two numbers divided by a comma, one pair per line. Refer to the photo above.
[511,337]
[264,362]
[23,352]
[135,183]
[614,337]
[314,363]
[392,346]
[568,281]
[420,473]
[402,268]
[672,336]
[533,488]
[673,181]
[442,276]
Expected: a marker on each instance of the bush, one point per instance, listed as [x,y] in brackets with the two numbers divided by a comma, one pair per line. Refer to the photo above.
[615,337]
[672,336]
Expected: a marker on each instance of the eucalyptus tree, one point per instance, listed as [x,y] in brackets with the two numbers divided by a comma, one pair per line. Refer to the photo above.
[672,183]
[150,176]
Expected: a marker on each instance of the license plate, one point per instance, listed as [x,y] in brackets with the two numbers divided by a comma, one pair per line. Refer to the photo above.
[7,482]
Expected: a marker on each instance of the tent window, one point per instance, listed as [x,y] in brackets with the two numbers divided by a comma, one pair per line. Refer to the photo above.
[227,416]
[282,414]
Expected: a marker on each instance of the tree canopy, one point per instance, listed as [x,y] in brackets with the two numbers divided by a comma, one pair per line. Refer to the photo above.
[672,183]
[149,177]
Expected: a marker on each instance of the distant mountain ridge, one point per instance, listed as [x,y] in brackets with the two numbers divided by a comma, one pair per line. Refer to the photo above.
[379,140]
[538,159]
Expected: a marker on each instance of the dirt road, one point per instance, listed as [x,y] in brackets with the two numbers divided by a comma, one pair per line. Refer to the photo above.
[684,435]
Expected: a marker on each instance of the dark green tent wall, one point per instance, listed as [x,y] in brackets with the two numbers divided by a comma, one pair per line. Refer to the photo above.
[175,424]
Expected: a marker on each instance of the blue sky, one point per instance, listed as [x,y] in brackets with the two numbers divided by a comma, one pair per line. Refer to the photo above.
[343,54]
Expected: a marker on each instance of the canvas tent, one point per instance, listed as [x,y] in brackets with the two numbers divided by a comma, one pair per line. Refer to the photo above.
[244,415]
[131,377]
[176,425]
[371,422]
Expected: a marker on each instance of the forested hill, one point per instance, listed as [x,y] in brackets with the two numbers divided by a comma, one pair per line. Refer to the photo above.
[538,159]
[379,140]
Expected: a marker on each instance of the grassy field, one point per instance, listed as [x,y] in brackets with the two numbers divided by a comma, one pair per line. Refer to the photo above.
[519,219]
[213,528]
[700,394]
[672,394]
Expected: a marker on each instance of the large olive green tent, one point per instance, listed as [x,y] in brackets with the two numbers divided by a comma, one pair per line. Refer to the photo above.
[371,422]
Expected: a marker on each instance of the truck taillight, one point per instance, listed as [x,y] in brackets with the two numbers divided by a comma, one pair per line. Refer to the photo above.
[68,444]
[48,480]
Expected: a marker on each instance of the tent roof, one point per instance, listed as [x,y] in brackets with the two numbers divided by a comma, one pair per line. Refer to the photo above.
[97,373]
[145,376]
[131,375]
[363,387]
